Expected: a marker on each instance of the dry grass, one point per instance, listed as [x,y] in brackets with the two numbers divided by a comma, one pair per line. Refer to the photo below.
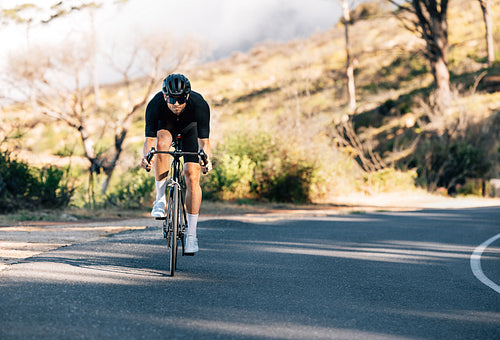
[296,89]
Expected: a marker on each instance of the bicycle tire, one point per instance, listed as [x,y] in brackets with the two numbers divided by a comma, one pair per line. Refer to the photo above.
[182,219]
[173,233]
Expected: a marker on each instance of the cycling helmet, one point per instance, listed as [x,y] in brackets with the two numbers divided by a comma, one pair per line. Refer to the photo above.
[176,85]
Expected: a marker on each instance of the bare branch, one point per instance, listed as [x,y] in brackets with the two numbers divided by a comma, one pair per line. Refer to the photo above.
[347,137]
[58,82]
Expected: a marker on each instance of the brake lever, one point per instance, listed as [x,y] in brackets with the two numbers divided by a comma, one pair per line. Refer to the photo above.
[149,157]
[204,159]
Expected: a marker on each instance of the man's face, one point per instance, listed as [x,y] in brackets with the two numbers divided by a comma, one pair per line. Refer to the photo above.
[173,103]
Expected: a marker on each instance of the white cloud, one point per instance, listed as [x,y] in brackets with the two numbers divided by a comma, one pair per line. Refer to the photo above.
[227,24]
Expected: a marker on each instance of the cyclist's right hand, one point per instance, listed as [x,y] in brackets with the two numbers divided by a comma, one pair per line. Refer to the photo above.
[148,160]
[145,164]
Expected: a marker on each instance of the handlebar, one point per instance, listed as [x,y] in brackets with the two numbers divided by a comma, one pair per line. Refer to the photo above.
[176,153]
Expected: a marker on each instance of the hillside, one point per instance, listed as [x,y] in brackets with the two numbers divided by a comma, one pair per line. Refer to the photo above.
[273,77]
[296,91]
[295,94]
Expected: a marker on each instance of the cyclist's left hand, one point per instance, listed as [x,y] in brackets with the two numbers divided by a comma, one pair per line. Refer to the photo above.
[206,168]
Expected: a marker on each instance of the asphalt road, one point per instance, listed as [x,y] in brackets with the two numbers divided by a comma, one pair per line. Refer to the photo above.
[403,275]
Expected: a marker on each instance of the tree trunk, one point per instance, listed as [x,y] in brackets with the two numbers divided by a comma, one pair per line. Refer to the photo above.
[442,81]
[488,23]
[87,142]
[110,167]
[109,172]
[351,88]
[432,18]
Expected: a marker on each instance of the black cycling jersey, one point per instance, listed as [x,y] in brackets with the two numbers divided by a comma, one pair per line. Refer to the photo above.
[159,116]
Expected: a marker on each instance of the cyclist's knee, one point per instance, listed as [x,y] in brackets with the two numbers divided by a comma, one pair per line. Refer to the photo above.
[192,173]
[164,140]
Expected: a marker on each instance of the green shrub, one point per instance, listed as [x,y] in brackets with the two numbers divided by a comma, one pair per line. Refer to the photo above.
[23,186]
[135,189]
[390,179]
[53,189]
[231,178]
[292,183]
[472,187]
[257,167]
[442,164]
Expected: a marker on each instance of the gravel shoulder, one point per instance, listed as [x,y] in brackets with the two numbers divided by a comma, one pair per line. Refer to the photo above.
[23,239]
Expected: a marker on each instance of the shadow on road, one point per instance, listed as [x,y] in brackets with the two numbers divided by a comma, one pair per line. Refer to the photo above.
[380,276]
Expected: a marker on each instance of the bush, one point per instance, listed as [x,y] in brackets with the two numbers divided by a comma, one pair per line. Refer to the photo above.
[442,164]
[53,190]
[231,179]
[23,186]
[390,179]
[135,189]
[292,183]
[257,167]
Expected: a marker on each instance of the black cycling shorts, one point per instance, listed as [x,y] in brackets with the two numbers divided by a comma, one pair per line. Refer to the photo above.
[189,139]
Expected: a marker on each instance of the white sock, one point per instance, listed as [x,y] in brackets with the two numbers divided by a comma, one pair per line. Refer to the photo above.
[192,221]
[160,190]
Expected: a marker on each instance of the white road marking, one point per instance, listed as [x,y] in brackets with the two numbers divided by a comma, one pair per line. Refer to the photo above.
[475,264]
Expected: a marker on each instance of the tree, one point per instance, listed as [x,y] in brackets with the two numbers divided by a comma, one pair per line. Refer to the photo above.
[488,24]
[58,79]
[32,14]
[428,18]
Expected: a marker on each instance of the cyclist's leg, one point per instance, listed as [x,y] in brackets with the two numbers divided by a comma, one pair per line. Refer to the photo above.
[163,143]
[193,188]
[192,172]
[193,203]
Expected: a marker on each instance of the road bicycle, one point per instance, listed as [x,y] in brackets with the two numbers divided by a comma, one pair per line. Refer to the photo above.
[175,222]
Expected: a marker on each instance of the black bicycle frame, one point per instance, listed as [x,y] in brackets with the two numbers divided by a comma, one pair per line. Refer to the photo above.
[174,223]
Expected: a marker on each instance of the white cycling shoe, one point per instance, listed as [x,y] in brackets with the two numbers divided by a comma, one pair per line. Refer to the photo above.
[191,245]
[158,209]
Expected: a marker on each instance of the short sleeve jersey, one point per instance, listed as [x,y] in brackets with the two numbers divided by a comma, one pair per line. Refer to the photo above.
[159,116]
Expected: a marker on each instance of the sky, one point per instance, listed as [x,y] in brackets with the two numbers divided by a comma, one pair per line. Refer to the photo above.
[227,25]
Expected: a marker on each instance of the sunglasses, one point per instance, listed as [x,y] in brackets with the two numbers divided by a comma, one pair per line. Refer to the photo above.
[180,100]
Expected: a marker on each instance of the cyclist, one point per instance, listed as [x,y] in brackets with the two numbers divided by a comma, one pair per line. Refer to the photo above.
[178,110]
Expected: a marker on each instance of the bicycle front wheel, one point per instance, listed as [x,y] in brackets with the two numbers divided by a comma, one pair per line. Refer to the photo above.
[174,209]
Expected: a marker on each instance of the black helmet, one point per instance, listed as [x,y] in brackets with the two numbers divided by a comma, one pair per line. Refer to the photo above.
[176,85]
